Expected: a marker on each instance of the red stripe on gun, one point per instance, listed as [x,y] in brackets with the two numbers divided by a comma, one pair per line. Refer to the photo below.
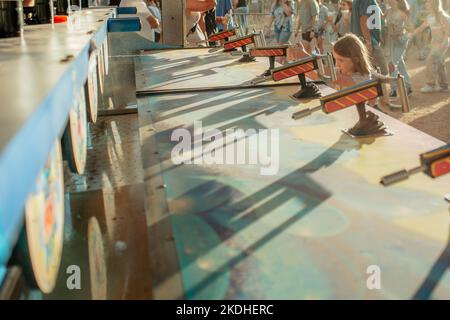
[235,43]
[350,99]
[222,35]
[292,71]
[268,52]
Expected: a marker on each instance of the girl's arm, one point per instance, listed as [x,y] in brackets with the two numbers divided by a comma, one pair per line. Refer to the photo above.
[421,28]
[200,6]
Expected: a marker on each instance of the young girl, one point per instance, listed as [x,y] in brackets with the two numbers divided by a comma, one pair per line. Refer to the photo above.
[397,22]
[352,61]
[342,24]
[353,66]
[439,23]
[281,16]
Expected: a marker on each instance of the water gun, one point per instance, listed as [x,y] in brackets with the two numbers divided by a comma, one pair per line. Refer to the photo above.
[299,68]
[434,163]
[369,123]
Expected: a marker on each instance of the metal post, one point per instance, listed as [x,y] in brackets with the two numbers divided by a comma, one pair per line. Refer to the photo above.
[52,13]
[20,17]
[332,67]
[320,67]
[173,22]
[402,93]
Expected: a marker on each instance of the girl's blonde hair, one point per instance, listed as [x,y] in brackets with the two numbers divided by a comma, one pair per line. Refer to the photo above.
[350,46]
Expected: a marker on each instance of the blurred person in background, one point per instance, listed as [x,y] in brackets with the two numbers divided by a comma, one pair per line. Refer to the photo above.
[281,17]
[156,12]
[438,21]
[224,15]
[321,25]
[397,22]
[242,10]
[342,24]
[194,21]
[362,10]
[307,20]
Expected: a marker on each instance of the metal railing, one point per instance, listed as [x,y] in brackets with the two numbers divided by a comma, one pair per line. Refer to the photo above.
[247,22]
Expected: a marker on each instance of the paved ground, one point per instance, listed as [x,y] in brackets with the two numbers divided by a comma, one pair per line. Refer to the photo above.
[429,112]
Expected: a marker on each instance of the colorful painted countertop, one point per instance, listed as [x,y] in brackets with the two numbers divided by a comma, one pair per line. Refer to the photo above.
[315,228]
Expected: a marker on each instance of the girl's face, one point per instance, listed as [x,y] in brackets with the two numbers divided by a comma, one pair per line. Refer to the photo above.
[345,65]
[429,6]
[344,6]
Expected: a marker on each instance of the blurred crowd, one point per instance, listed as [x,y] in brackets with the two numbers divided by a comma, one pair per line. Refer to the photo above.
[386,28]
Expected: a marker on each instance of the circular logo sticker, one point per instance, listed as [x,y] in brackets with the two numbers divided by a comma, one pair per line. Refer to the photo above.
[97,266]
[44,219]
[106,56]
[92,89]
[101,70]
[78,134]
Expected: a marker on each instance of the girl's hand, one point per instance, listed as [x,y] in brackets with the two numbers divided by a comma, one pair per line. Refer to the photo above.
[342,80]
[154,22]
